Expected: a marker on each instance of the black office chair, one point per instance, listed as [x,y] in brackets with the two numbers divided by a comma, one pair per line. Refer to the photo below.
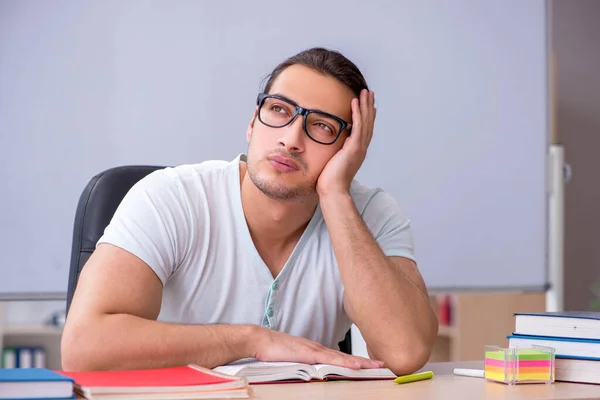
[97,205]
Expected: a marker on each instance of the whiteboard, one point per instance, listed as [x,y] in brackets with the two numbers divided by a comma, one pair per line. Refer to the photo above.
[460,140]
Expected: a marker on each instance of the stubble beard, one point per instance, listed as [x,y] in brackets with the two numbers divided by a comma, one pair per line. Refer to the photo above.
[276,190]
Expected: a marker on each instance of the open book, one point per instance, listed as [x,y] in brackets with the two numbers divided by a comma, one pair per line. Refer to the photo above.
[261,372]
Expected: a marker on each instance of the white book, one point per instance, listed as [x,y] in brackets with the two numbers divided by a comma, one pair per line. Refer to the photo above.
[39,357]
[25,357]
[9,358]
[566,324]
[564,347]
[577,370]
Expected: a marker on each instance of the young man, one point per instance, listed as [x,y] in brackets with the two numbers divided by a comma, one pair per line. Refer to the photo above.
[271,256]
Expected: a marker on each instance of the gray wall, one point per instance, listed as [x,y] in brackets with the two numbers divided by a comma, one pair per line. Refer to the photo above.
[576,41]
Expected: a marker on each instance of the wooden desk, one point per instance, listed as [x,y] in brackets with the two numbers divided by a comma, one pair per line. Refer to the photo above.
[444,385]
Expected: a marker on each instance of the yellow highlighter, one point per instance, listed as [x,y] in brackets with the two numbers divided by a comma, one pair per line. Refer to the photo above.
[414,377]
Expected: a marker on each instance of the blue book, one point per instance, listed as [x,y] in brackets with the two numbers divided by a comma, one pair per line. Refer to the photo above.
[566,324]
[34,383]
[587,349]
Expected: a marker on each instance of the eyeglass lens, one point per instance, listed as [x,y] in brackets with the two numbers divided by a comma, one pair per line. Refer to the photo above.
[320,127]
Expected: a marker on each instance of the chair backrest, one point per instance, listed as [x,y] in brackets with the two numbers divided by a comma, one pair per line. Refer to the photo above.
[97,205]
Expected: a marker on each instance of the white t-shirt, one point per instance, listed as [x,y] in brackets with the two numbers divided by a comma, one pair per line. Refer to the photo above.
[188,225]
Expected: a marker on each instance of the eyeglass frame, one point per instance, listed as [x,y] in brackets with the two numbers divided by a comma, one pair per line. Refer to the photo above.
[304,112]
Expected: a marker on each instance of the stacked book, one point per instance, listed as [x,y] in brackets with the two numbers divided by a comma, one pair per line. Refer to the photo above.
[574,335]
[185,382]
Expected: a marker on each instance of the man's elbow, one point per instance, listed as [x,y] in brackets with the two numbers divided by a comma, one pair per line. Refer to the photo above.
[70,354]
[408,361]
[411,357]
[71,362]
[75,353]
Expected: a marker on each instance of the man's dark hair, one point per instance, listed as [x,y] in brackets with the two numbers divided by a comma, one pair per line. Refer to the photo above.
[327,62]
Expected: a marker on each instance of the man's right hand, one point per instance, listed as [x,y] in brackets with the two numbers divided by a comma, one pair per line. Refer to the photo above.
[271,345]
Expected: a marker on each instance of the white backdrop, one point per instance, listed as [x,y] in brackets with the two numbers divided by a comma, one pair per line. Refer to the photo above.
[461,131]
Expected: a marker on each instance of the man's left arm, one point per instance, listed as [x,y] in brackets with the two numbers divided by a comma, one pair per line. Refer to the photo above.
[384,296]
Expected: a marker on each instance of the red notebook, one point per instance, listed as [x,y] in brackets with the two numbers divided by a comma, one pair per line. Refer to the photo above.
[186,382]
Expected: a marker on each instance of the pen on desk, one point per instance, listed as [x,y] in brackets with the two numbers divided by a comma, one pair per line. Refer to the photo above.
[419,376]
[476,373]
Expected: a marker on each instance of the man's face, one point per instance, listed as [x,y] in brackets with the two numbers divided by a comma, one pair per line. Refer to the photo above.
[284,163]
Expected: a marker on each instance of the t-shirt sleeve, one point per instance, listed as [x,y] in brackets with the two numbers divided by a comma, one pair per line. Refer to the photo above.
[152,222]
[389,226]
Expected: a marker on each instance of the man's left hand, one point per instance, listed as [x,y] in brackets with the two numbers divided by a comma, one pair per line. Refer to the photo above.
[338,173]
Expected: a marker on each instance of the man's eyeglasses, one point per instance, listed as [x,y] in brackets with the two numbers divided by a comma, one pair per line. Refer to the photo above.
[277,112]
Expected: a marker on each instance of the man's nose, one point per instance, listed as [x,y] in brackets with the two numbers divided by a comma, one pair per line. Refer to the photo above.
[292,136]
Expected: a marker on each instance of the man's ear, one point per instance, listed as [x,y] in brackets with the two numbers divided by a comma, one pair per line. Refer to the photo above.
[251,124]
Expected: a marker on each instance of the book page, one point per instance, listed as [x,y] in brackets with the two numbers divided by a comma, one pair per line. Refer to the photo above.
[267,371]
[325,370]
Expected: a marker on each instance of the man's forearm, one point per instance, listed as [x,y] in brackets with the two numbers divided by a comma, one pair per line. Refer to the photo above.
[121,341]
[392,313]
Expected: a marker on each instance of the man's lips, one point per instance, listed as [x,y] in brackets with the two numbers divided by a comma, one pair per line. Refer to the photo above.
[288,162]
